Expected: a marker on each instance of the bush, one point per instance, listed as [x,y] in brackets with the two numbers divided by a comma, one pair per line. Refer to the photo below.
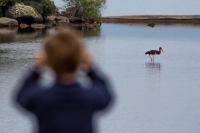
[44,7]
[88,10]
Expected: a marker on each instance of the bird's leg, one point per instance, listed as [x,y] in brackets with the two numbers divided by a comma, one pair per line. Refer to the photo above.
[153,57]
[150,57]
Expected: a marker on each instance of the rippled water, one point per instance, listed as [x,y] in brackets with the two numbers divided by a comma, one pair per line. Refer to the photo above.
[159,97]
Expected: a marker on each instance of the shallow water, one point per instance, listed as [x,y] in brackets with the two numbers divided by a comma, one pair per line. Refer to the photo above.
[151,97]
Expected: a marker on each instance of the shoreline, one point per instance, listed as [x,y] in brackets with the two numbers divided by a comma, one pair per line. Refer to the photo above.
[190,19]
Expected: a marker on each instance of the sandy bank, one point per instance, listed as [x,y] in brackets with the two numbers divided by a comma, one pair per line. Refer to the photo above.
[152,19]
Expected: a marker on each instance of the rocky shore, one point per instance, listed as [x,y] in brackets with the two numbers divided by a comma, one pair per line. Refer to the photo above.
[152,19]
[23,16]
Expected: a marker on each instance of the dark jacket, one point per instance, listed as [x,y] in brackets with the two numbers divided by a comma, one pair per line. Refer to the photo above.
[64,108]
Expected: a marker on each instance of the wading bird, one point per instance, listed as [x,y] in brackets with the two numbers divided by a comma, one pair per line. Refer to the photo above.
[153,52]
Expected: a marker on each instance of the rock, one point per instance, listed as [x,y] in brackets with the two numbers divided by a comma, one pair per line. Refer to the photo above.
[37,26]
[93,25]
[54,20]
[23,26]
[51,18]
[75,20]
[24,13]
[151,25]
[49,21]
[61,19]
[8,22]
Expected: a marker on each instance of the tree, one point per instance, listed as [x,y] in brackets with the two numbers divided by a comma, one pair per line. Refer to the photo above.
[88,10]
[4,4]
[48,8]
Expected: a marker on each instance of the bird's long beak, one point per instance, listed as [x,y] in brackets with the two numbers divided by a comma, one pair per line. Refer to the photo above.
[162,51]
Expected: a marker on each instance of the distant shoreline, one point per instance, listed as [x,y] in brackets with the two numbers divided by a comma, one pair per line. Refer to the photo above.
[152,19]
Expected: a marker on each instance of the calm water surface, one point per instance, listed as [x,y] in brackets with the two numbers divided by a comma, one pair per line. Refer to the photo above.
[159,97]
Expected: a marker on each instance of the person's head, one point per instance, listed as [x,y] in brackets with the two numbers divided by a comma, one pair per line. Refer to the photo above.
[63,51]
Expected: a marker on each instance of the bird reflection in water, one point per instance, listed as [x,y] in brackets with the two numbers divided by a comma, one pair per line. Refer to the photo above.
[153,70]
[152,65]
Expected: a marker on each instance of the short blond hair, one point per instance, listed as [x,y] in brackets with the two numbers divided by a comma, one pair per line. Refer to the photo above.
[63,51]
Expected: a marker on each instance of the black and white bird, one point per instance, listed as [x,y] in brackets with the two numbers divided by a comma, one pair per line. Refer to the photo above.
[153,52]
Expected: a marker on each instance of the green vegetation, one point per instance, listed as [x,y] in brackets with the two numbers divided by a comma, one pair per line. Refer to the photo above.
[44,7]
[4,4]
[88,10]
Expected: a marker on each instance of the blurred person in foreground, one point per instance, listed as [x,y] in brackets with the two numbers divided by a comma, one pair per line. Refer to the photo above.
[66,106]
